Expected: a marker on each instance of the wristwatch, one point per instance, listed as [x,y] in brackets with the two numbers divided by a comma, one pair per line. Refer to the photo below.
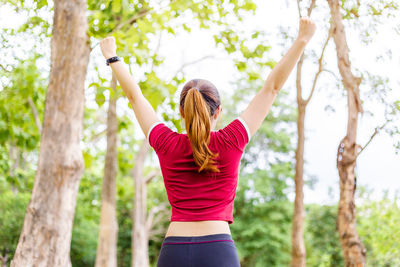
[112,59]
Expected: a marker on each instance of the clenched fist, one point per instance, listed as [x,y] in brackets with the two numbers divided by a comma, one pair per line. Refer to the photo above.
[306,29]
[108,47]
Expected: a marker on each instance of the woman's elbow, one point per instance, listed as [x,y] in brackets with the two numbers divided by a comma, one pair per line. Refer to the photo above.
[272,88]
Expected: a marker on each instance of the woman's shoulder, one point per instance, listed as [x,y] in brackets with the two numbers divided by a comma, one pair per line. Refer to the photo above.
[236,134]
[160,135]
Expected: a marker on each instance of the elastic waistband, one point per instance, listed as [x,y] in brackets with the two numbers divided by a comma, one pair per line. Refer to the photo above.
[197,239]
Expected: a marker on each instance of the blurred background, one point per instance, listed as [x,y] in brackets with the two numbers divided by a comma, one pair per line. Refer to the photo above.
[234,44]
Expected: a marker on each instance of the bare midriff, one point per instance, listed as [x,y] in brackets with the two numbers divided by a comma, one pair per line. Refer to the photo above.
[198,228]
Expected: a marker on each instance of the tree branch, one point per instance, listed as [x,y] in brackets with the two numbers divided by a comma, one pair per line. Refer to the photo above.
[193,62]
[153,232]
[310,9]
[333,74]
[132,20]
[35,114]
[299,88]
[151,219]
[97,135]
[320,69]
[298,8]
[350,82]
[377,130]
[157,49]
[300,100]
[149,177]
[4,68]
[14,152]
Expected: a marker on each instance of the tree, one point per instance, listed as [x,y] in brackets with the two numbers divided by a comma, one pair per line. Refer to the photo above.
[298,245]
[46,234]
[107,245]
[143,222]
[353,249]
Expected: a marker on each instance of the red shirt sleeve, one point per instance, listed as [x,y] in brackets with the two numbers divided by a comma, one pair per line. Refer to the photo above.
[237,133]
[160,136]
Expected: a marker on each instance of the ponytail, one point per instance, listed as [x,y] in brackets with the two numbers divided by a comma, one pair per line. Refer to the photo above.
[198,128]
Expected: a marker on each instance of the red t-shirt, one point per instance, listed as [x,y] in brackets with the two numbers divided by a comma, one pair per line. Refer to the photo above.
[200,196]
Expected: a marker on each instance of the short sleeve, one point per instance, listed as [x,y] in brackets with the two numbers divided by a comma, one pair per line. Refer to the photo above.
[159,136]
[237,133]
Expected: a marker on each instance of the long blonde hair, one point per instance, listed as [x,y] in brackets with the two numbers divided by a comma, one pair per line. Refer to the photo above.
[199,101]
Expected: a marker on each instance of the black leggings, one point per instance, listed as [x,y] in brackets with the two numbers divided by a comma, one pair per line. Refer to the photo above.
[217,250]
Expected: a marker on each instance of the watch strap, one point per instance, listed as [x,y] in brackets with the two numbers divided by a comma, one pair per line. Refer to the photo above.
[112,59]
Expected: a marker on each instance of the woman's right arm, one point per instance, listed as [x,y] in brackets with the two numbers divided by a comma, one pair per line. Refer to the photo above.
[144,112]
[259,106]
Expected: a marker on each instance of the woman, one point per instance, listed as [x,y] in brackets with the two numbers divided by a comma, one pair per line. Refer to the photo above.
[200,168]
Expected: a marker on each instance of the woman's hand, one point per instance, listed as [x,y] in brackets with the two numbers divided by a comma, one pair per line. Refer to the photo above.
[306,29]
[108,47]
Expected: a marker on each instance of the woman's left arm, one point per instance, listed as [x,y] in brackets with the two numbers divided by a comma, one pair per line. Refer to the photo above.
[144,112]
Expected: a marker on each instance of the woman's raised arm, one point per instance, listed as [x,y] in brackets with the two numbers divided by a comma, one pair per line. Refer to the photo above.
[259,106]
[144,112]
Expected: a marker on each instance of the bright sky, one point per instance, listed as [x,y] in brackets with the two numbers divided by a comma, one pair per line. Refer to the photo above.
[378,166]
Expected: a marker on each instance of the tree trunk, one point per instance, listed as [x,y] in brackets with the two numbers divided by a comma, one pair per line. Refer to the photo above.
[353,250]
[298,247]
[140,234]
[107,242]
[46,235]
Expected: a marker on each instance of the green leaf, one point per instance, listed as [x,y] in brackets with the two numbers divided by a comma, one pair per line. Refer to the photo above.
[100,98]
[116,6]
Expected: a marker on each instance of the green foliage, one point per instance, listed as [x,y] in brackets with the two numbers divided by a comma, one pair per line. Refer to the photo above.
[16,115]
[377,226]
[379,231]
[21,96]
[12,213]
[355,9]
[321,237]
[85,233]
[155,90]
[262,220]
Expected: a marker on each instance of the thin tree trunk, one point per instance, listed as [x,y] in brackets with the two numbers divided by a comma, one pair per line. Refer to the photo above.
[140,235]
[46,235]
[298,246]
[107,242]
[145,225]
[353,249]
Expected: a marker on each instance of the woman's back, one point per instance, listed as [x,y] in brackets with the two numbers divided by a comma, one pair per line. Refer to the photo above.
[199,196]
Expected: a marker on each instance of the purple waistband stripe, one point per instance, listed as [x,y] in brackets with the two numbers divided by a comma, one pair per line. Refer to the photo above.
[177,243]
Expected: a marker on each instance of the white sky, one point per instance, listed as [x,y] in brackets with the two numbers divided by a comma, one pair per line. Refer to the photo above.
[378,166]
